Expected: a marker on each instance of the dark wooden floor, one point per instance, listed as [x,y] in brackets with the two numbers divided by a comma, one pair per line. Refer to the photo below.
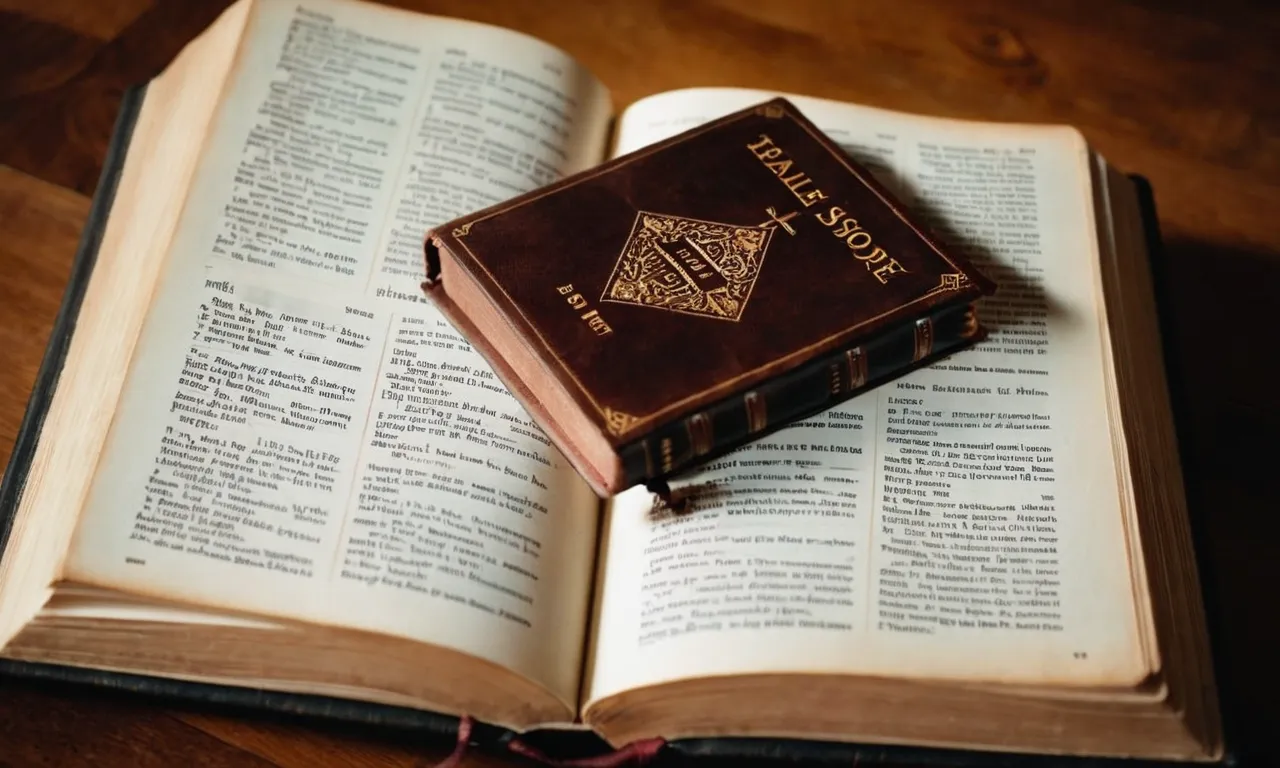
[1185,92]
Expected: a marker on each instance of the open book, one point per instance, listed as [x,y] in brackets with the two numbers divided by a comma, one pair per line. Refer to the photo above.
[268,462]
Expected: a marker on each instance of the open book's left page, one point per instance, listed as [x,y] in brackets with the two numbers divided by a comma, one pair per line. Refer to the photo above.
[300,434]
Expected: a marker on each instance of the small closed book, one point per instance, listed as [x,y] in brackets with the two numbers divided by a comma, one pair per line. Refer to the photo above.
[681,300]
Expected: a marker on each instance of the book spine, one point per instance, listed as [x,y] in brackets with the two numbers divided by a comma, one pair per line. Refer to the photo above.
[744,417]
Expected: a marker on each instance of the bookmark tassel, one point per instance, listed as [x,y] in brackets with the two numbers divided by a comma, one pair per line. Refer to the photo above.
[633,755]
[454,760]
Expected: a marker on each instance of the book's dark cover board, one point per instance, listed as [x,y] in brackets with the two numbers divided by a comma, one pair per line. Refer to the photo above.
[401,723]
[696,271]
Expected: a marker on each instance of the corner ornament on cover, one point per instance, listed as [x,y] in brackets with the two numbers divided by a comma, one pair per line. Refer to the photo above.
[951,281]
[617,422]
[772,111]
[462,230]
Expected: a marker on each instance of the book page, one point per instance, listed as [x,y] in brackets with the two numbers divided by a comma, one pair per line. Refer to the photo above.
[962,522]
[302,435]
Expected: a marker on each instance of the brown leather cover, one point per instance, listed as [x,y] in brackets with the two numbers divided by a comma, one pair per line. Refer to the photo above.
[697,267]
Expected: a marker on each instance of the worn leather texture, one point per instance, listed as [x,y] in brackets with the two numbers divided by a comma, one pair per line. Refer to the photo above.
[672,277]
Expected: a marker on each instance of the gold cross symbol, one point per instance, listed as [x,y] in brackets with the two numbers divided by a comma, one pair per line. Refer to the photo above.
[775,220]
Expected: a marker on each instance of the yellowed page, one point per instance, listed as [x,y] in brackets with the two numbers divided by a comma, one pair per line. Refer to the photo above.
[960,523]
[165,134]
[301,435]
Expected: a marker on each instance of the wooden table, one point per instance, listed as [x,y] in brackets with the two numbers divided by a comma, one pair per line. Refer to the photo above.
[1186,93]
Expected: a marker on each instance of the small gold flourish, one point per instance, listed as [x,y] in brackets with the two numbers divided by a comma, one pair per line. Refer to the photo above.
[773,111]
[618,422]
[952,281]
[462,230]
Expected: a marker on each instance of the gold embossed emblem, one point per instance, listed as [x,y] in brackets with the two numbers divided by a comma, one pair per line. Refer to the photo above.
[951,281]
[618,421]
[690,266]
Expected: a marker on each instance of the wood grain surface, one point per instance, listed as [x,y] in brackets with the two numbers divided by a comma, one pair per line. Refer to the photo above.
[1186,93]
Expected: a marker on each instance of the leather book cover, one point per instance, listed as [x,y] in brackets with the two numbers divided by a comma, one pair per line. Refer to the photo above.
[691,270]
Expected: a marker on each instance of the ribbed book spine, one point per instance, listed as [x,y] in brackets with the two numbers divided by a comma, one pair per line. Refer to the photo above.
[729,423]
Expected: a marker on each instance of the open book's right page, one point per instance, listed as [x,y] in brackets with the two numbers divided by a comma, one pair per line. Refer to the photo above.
[963,522]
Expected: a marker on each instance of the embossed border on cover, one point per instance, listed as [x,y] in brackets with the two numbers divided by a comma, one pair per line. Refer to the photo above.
[610,416]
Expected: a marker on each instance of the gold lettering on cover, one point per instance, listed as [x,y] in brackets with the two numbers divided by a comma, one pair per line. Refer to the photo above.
[757,412]
[884,273]
[876,256]
[592,317]
[775,220]
[779,167]
[764,148]
[832,216]
[596,323]
[798,183]
[812,196]
[575,299]
[861,244]
[692,263]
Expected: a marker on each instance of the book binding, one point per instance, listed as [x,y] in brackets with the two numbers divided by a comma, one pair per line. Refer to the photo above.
[810,389]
